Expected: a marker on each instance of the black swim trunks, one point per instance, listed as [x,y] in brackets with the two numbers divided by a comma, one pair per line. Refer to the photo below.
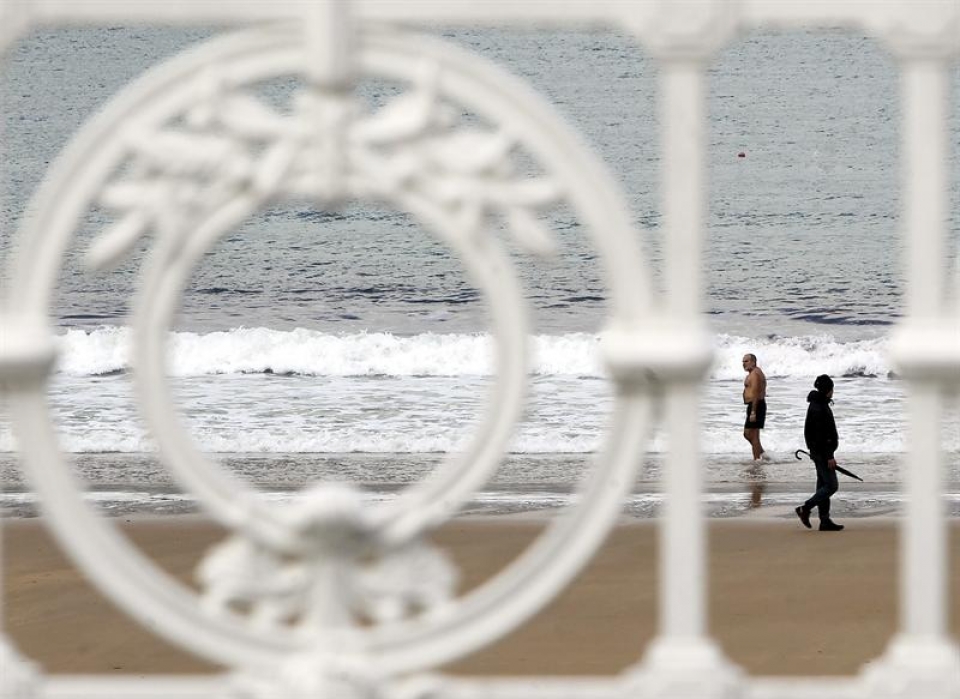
[761,416]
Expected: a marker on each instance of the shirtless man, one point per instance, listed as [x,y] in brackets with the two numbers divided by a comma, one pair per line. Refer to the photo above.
[755,398]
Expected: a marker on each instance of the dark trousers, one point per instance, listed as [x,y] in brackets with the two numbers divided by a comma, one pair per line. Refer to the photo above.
[826,486]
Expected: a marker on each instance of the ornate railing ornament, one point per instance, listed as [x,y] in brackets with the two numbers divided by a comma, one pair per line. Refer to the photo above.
[338,596]
[340,568]
[184,155]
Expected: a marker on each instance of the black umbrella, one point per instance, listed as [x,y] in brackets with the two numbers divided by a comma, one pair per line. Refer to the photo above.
[842,470]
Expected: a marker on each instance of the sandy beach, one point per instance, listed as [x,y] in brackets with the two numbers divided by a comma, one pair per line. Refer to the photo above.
[783,600]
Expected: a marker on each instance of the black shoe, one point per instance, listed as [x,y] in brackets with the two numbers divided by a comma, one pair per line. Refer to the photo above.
[828,525]
[804,516]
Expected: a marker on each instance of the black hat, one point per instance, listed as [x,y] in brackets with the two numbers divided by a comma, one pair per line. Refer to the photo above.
[824,384]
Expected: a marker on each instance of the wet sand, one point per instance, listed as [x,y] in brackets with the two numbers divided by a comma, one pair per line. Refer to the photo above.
[783,600]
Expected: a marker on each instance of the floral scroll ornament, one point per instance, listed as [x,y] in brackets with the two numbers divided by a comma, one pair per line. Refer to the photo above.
[342,575]
[232,144]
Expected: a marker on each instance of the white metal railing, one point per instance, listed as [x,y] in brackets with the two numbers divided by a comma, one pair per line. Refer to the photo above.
[656,348]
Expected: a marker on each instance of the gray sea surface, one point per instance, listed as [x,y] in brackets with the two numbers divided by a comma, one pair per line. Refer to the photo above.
[349,344]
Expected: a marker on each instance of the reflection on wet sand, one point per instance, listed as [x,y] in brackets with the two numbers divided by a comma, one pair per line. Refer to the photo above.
[756,477]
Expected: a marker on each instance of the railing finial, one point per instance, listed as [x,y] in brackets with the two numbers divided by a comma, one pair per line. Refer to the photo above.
[329,43]
[328,48]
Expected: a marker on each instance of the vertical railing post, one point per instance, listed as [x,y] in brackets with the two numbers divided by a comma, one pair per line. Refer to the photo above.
[329,73]
[18,676]
[921,659]
[923,537]
[683,660]
[682,539]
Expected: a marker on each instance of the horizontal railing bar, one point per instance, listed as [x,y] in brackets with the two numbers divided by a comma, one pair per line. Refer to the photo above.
[571,13]
[214,686]
[544,687]
[804,688]
[600,688]
[578,13]
[813,13]
[137,687]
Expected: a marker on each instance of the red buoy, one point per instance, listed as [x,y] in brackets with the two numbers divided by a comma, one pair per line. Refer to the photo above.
[741,154]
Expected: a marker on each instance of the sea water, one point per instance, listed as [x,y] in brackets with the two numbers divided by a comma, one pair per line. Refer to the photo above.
[330,345]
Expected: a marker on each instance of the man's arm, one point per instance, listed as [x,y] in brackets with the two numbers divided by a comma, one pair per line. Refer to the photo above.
[832,438]
[822,435]
[753,392]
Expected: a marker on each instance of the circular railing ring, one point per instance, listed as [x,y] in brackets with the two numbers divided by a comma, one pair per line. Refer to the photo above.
[422,505]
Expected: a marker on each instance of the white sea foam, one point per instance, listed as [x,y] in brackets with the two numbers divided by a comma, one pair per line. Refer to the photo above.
[806,356]
[312,353]
[383,393]
[247,433]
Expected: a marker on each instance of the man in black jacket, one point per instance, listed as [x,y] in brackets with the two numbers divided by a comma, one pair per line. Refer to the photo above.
[820,434]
